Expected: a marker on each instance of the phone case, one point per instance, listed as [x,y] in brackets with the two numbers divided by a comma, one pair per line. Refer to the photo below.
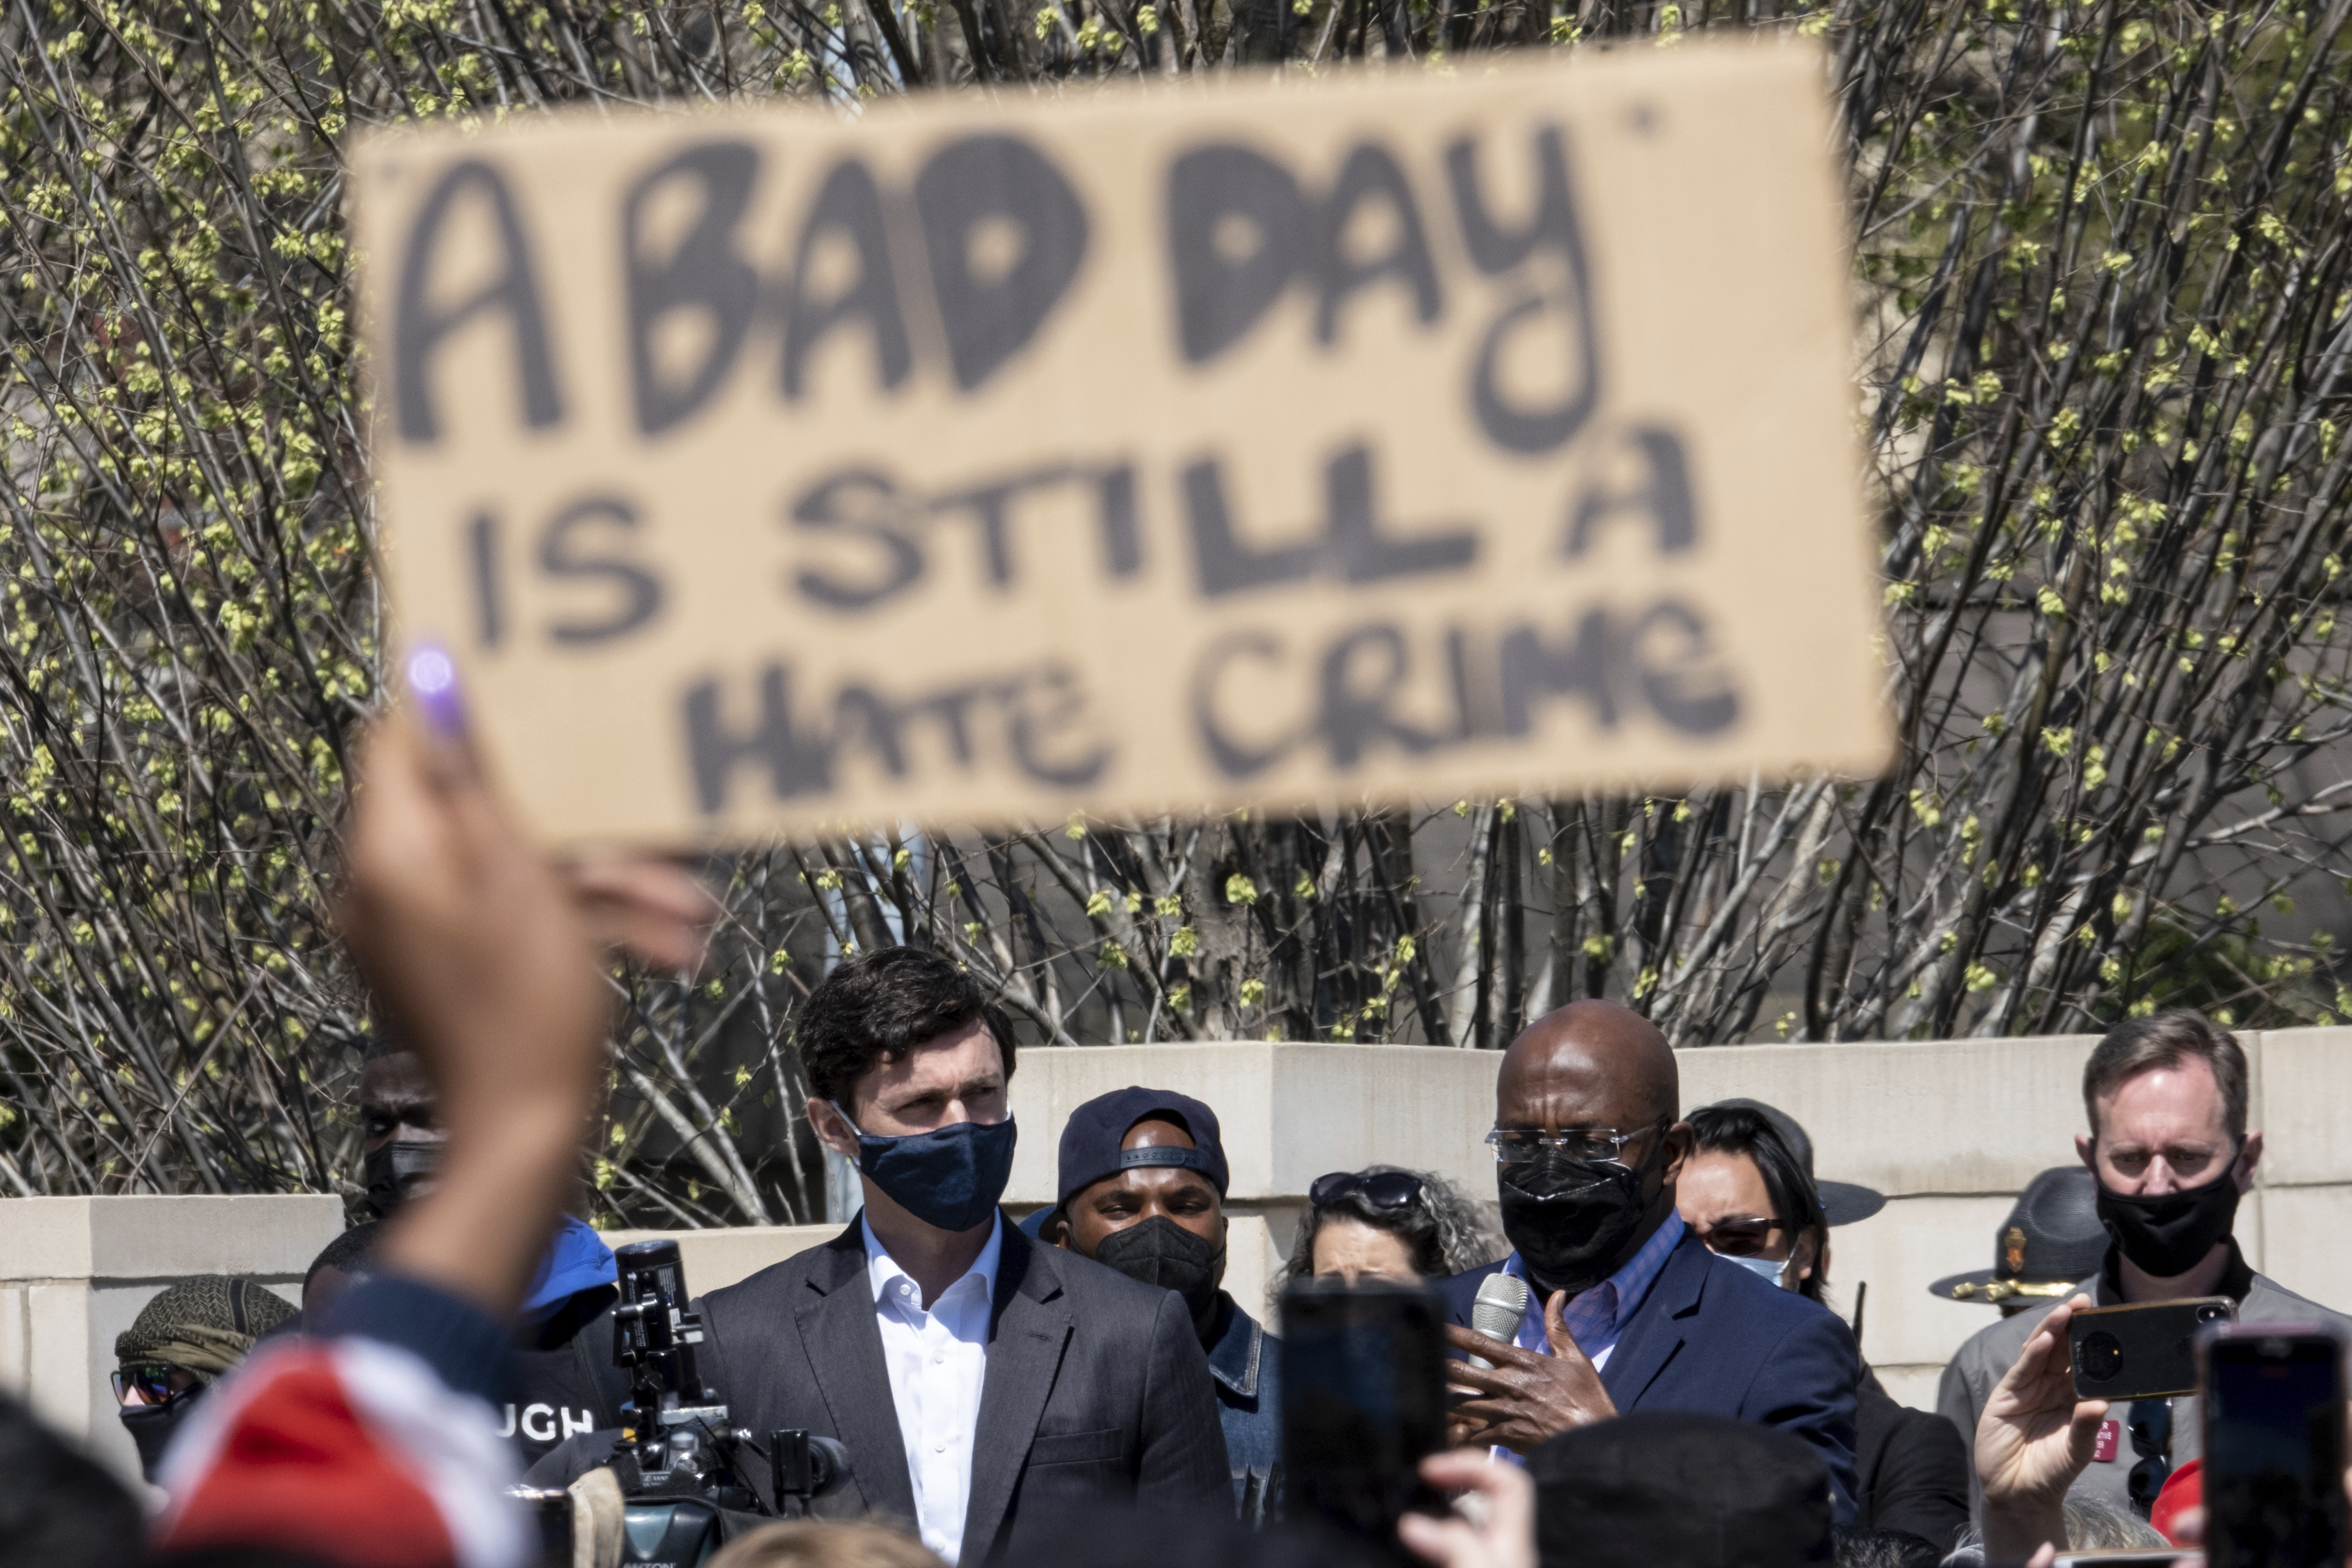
[2143,1352]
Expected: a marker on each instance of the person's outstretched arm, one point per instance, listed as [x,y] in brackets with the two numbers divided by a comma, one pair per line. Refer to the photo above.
[375,1442]
[2033,1440]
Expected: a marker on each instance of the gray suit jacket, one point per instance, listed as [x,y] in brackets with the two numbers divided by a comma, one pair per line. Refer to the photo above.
[1095,1387]
[1988,1353]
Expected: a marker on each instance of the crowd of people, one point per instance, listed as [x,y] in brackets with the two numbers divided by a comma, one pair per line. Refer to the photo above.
[1676,1389]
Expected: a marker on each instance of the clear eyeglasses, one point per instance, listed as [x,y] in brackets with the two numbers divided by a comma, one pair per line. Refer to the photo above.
[1593,1145]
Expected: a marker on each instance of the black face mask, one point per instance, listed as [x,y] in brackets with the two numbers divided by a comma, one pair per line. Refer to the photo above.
[151,1427]
[1568,1220]
[2169,1235]
[1162,1252]
[397,1173]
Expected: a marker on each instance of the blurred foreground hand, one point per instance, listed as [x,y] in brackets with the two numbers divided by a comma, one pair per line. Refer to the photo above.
[487,959]
[1504,1537]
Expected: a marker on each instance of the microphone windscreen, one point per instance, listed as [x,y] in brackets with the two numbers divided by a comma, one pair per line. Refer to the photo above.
[1501,1302]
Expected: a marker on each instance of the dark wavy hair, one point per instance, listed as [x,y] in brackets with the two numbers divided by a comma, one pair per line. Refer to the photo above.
[875,1008]
[1442,1231]
[1796,1203]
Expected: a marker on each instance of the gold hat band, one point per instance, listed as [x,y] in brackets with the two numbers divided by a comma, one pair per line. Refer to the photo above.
[2002,1289]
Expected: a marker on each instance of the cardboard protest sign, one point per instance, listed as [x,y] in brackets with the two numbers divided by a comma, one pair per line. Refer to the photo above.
[1153,449]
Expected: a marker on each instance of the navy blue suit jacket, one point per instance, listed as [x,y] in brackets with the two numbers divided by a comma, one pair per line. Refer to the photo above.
[1715,1338]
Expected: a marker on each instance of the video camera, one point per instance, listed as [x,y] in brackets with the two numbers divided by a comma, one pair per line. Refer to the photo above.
[679,1459]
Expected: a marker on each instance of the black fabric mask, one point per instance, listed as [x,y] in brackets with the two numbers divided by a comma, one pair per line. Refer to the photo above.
[397,1172]
[153,1427]
[2170,1235]
[1162,1252]
[1569,1219]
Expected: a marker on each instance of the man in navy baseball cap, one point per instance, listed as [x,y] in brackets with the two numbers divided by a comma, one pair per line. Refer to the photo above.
[1142,1189]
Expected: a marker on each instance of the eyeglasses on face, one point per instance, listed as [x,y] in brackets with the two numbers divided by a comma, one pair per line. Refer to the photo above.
[1741,1237]
[1381,1189]
[155,1382]
[1593,1145]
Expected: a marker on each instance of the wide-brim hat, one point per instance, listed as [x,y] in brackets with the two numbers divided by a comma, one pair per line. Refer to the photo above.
[2051,1242]
[1842,1203]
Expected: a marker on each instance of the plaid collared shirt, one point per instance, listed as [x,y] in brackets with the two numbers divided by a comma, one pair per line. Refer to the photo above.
[1597,1318]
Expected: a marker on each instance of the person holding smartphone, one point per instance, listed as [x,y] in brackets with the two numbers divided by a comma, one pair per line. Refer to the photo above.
[2173,1154]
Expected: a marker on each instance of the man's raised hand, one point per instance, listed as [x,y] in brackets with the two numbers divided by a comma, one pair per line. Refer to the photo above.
[1525,1398]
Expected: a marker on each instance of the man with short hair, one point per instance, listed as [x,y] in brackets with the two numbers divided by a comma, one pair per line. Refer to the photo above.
[981,1381]
[2171,1155]
[1626,1309]
[1142,1189]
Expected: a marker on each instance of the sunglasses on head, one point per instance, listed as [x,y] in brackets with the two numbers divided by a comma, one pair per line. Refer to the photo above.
[152,1382]
[1381,1189]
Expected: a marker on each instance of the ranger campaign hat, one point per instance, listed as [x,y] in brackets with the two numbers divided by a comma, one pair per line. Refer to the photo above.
[2051,1242]
[1842,1203]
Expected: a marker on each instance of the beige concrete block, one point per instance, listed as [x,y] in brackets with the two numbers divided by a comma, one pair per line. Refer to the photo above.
[2303,1085]
[1899,1252]
[717,1258]
[1235,1079]
[152,1237]
[1287,1113]
[58,1383]
[2304,1230]
[1957,1116]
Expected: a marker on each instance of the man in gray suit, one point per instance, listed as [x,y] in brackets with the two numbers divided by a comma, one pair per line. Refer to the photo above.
[2171,1153]
[982,1382]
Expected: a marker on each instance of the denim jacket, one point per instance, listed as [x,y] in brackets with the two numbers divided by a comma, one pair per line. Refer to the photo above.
[1245,1362]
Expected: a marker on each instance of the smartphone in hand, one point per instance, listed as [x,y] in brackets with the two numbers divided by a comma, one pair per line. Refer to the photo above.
[2145,1352]
[1363,1403]
[2273,1471]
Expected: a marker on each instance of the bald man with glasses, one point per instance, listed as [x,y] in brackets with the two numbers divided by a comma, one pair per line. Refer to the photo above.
[1627,1310]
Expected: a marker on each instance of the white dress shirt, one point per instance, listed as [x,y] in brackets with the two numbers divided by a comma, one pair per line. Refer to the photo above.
[938,1362]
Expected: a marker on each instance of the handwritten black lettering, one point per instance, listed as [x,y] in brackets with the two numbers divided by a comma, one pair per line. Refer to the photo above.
[1564,303]
[1044,710]
[1588,663]
[798,762]
[848,205]
[1686,685]
[1356,547]
[1232,759]
[563,554]
[705,274]
[419,327]
[1042,729]
[978,181]
[1662,497]
[1221,198]
[824,508]
[1223,562]
[1370,178]
[490,598]
[1357,691]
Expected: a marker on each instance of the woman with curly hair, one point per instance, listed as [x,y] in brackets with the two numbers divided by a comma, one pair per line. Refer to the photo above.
[1384,1222]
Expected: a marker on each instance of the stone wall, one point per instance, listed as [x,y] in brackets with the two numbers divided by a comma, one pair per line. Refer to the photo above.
[74,1273]
[1949,1130]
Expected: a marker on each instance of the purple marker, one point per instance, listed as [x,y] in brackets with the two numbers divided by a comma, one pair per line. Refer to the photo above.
[433,682]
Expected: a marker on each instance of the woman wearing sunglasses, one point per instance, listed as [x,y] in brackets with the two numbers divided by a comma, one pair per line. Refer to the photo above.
[1382,1223]
[1749,1193]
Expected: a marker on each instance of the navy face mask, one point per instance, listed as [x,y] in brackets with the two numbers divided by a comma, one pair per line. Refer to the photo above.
[949,1177]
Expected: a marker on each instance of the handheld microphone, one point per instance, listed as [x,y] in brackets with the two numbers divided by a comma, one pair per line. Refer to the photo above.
[1502,1303]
